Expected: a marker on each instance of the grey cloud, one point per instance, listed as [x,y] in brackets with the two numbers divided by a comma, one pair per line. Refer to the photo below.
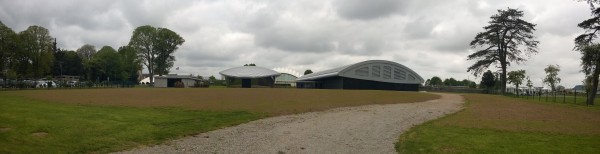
[366,10]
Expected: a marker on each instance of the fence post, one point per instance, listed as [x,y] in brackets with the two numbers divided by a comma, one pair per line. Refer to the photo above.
[575,96]
[564,95]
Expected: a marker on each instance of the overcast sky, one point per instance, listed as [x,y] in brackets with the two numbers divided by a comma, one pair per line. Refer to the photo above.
[429,36]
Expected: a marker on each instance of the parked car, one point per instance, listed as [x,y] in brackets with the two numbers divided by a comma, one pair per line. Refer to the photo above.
[72,84]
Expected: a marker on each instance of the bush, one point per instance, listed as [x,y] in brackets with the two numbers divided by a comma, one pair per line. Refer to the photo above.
[179,84]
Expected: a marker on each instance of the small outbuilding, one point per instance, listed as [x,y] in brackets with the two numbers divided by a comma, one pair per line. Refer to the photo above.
[371,74]
[249,76]
[173,80]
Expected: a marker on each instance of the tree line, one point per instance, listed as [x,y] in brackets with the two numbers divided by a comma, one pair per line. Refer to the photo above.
[508,39]
[33,54]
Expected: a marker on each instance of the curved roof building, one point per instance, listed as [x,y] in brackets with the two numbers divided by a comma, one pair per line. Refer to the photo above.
[287,78]
[371,74]
[249,75]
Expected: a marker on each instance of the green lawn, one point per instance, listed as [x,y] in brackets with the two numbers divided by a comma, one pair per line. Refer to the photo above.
[34,126]
[500,124]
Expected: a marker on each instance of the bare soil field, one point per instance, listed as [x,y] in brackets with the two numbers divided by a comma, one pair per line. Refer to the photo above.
[273,101]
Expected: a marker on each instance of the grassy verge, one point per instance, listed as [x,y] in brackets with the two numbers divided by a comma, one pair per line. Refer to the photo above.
[498,124]
[34,126]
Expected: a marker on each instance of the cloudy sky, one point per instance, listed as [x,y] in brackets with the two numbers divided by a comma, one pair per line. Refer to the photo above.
[429,36]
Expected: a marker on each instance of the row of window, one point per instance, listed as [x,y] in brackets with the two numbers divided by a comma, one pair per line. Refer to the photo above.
[384,72]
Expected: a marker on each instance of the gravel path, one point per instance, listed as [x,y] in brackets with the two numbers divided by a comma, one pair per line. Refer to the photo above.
[363,129]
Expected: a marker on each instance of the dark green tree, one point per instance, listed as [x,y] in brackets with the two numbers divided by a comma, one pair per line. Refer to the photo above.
[308,71]
[67,63]
[590,62]
[106,65]
[501,42]
[8,49]
[516,78]
[155,47]
[436,81]
[488,80]
[552,76]
[591,26]
[131,64]
[39,46]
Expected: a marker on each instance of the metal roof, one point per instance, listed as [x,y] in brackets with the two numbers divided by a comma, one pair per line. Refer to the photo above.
[324,74]
[350,72]
[249,72]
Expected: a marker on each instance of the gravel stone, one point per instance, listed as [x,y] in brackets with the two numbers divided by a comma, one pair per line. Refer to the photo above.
[362,129]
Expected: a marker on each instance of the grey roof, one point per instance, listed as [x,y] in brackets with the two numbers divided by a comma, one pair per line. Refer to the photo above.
[324,74]
[176,77]
[249,72]
[347,71]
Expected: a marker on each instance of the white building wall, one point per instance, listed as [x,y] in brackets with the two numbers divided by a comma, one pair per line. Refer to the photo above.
[160,82]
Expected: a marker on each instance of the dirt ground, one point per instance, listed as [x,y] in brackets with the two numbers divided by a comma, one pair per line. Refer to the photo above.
[275,101]
[503,113]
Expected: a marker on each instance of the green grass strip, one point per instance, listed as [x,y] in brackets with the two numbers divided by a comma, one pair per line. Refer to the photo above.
[32,126]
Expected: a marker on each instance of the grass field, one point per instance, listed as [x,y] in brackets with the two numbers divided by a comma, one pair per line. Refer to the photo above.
[105,120]
[500,124]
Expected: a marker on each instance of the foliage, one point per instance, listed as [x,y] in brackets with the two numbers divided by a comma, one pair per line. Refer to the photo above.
[130,62]
[488,80]
[501,40]
[308,71]
[591,27]
[590,63]
[86,52]
[436,81]
[155,47]
[38,45]
[516,77]
[552,76]
[529,83]
[251,64]
[67,63]
[8,46]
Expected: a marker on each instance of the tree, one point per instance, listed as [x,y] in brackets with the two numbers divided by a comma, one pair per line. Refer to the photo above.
[155,47]
[590,63]
[516,78]
[67,63]
[8,48]
[552,76]
[39,46]
[436,81]
[591,27]
[529,83]
[308,71]
[106,64]
[131,63]
[501,40]
[450,82]
[251,64]
[488,80]
[86,52]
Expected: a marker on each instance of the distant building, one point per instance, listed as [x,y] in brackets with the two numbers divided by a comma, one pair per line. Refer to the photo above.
[249,77]
[172,80]
[287,78]
[372,74]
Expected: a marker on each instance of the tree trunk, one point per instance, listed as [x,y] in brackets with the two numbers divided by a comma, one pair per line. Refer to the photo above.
[503,77]
[592,94]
